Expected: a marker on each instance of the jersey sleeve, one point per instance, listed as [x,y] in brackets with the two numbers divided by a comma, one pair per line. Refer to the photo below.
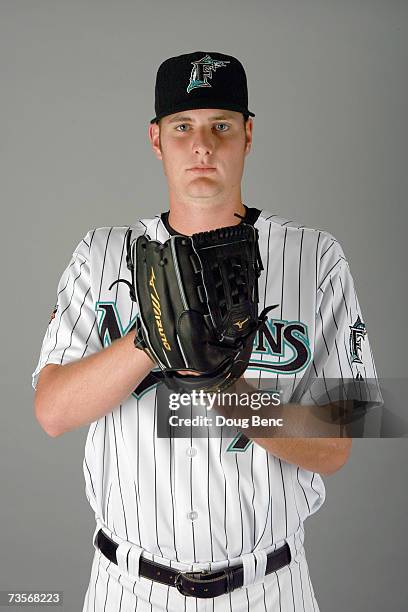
[343,364]
[72,331]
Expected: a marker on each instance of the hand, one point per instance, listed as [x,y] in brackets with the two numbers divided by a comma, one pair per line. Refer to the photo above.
[189,372]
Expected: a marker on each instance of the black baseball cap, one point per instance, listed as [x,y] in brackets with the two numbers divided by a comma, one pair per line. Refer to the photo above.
[202,79]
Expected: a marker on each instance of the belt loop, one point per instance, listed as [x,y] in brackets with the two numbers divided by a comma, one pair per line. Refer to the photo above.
[254,564]
[128,556]
[248,562]
[260,556]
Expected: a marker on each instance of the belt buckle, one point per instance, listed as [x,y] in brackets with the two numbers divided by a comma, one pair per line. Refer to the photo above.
[178,581]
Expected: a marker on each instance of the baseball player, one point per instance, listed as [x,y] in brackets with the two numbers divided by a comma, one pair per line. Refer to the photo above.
[199,523]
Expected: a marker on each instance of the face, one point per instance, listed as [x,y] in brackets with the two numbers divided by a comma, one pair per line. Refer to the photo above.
[215,140]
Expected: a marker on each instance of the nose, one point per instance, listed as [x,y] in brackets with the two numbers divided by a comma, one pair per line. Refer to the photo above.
[203,143]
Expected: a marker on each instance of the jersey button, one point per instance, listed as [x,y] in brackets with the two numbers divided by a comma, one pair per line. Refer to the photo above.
[192,515]
[191,451]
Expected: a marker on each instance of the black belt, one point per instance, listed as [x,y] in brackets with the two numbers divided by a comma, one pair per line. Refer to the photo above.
[203,583]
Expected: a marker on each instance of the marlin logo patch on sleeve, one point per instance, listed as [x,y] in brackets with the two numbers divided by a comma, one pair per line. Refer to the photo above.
[357,334]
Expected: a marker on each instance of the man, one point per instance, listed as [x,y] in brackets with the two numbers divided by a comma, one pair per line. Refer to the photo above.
[168,506]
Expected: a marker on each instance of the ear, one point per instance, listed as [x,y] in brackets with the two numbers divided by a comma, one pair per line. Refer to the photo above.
[248,133]
[154,137]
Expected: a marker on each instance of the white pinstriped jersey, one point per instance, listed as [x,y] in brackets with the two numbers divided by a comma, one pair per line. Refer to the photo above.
[197,500]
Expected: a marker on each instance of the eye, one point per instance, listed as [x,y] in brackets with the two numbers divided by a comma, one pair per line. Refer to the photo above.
[225,125]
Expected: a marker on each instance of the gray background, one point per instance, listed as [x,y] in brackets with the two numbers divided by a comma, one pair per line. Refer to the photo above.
[328,83]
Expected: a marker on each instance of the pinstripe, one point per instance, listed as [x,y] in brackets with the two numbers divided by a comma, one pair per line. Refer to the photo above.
[104,261]
[74,326]
[335,342]
[89,476]
[253,497]
[297,510]
[91,332]
[277,582]
[225,492]
[240,506]
[331,269]
[167,598]
[292,591]
[103,451]
[324,339]
[301,585]
[209,493]
[137,480]
[150,595]
[283,273]
[264,597]
[172,492]
[121,595]
[155,472]
[118,471]
[270,459]
[300,273]
[96,581]
[90,242]
[191,490]
[284,498]
[303,489]
[311,483]
[326,250]
[107,503]
[106,594]
[299,297]
[344,297]
[137,503]
[281,316]
[120,263]
[266,282]
[269,508]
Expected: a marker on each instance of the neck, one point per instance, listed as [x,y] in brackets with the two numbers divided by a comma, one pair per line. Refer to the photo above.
[188,219]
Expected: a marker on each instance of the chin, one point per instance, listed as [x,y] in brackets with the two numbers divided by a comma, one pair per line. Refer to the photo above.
[202,190]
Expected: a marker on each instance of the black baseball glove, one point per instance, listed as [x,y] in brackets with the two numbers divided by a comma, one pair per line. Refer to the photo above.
[197,302]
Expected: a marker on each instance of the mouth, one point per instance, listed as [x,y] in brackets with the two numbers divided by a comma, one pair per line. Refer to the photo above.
[202,169]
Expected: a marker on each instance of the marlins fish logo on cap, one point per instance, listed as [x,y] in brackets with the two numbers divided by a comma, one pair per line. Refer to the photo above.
[202,70]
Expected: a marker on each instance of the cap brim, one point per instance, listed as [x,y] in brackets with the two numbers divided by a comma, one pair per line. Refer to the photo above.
[203,104]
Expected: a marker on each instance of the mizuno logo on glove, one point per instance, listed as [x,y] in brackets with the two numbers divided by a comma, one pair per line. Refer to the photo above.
[239,324]
[157,311]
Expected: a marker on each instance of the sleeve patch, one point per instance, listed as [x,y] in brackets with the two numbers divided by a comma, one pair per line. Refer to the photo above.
[53,313]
